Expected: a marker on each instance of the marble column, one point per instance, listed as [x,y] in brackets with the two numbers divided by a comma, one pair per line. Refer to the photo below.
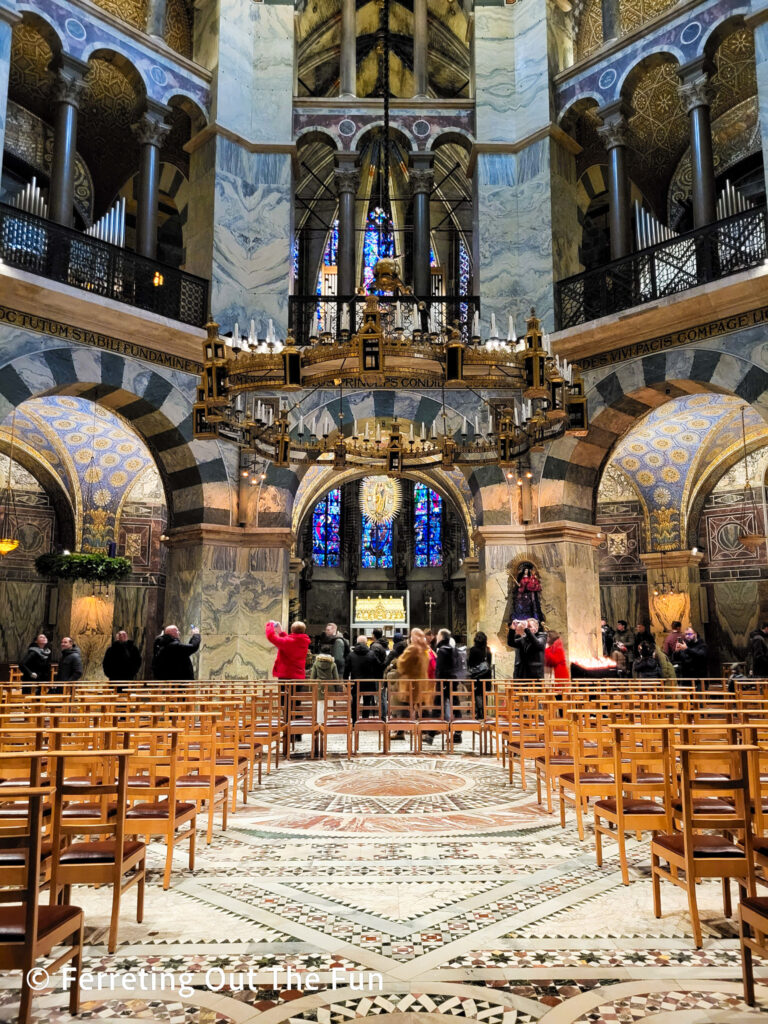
[757,20]
[565,555]
[68,89]
[471,568]
[681,569]
[696,94]
[420,49]
[421,179]
[229,581]
[611,19]
[347,179]
[151,132]
[156,18]
[614,133]
[9,16]
[348,58]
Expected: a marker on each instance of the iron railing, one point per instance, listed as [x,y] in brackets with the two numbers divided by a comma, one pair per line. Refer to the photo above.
[697,257]
[311,315]
[70,257]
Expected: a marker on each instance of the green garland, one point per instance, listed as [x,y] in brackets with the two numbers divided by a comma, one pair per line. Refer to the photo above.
[95,568]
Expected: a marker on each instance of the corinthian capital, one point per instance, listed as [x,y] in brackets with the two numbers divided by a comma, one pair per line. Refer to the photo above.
[421,180]
[347,179]
[613,130]
[69,84]
[696,92]
[150,131]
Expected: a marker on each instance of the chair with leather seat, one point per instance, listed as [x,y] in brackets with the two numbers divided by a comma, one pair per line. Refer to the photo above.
[337,715]
[112,860]
[154,809]
[701,854]
[642,799]
[592,773]
[198,778]
[753,938]
[29,930]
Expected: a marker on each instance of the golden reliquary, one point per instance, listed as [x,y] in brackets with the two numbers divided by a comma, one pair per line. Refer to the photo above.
[380,609]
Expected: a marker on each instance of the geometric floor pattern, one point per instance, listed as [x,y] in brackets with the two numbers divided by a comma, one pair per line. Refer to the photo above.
[409,888]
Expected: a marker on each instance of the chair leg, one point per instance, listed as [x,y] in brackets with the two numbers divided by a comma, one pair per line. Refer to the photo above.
[25,1002]
[747,973]
[694,909]
[598,844]
[623,856]
[192,841]
[77,964]
[727,907]
[168,860]
[656,883]
[114,920]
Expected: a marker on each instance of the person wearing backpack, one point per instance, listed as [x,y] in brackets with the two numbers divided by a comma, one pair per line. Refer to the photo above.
[646,664]
[479,670]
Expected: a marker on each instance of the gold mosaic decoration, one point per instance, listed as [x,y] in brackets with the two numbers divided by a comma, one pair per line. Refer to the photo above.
[380,499]
[134,12]
[30,81]
[734,79]
[632,13]
[178,27]
[659,127]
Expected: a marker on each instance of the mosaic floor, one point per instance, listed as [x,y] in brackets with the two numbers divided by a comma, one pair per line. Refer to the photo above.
[409,888]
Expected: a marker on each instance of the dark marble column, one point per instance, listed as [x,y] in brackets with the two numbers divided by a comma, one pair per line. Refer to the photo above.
[156,18]
[348,62]
[420,49]
[611,19]
[696,94]
[614,133]
[421,178]
[68,90]
[151,132]
[347,179]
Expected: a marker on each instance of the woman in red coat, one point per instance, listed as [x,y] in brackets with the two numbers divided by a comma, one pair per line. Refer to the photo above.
[554,657]
[292,648]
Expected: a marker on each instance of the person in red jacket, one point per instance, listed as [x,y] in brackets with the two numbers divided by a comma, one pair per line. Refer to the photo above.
[554,657]
[292,648]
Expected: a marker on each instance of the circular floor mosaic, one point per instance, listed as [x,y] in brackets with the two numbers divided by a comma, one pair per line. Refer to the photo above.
[403,793]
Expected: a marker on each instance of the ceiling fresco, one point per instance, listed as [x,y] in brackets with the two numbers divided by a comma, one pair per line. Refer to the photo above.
[669,451]
[97,459]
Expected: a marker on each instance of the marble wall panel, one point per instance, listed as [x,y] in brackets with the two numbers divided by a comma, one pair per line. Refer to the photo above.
[24,613]
[252,233]
[628,602]
[737,612]
[138,610]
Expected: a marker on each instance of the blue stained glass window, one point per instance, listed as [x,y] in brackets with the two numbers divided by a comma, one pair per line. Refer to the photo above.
[326,536]
[331,255]
[377,241]
[464,272]
[377,545]
[428,527]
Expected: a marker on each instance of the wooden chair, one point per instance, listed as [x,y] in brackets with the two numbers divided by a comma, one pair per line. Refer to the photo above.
[370,716]
[231,759]
[430,712]
[461,712]
[198,778]
[337,716]
[29,930]
[592,774]
[401,711]
[642,800]
[154,809]
[114,860]
[753,938]
[302,716]
[529,741]
[703,855]
[556,758]
[268,726]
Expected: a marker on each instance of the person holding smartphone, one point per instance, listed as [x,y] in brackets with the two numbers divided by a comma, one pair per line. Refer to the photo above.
[172,659]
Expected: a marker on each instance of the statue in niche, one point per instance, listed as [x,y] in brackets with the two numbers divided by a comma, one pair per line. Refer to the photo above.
[526,589]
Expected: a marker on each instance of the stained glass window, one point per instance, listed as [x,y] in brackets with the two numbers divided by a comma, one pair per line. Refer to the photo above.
[377,545]
[428,527]
[326,540]
[378,241]
[331,255]
[464,272]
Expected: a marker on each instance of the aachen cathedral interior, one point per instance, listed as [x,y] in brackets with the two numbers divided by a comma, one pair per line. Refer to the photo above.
[383,519]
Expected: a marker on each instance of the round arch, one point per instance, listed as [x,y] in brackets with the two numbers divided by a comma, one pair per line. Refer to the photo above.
[197,475]
[618,398]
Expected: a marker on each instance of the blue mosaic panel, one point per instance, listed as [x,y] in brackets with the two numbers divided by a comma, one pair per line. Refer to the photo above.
[376,545]
[428,527]
[326,537]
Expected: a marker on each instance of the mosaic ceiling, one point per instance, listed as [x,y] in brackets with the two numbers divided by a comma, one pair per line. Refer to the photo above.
[633,14]
[97,459]
[671,450]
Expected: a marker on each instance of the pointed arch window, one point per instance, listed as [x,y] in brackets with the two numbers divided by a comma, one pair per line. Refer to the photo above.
[377,241]
[326,534]
[376,545]
[427,527]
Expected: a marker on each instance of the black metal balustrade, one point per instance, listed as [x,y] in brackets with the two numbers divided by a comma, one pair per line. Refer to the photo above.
[311,315]
[61,254]
[697,257]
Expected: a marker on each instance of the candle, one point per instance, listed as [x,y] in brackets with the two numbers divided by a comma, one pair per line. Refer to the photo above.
[434,430]
[423,432]
[490,422]
[511,335]
[301,424]
[494,332]
[517,416]
[410,435]
[378,431]
[398,316]
[354,428]
[476,325]
[345,317]
[464,426]
[367,435]
[477,425]
[236,335]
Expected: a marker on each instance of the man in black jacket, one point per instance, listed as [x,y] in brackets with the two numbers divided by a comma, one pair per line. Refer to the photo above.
[172,659]
[365,666]
[36,663]
[529,643]
[70,662]
[690,658]
[122,659]
[338,646]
